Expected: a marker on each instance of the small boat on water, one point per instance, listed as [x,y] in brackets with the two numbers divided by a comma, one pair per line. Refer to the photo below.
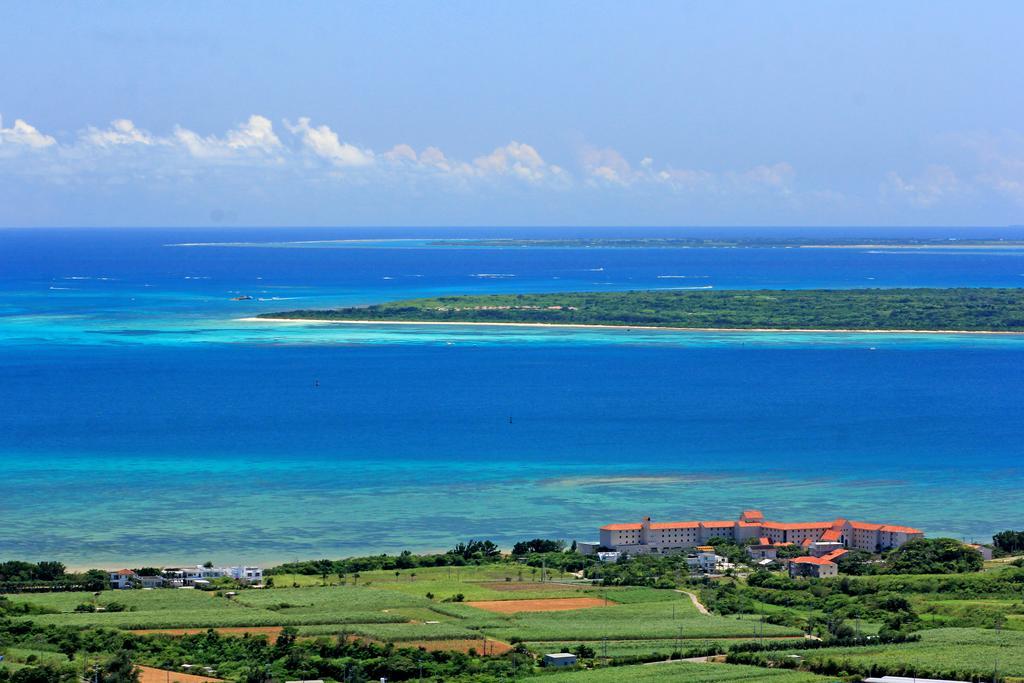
[244,297]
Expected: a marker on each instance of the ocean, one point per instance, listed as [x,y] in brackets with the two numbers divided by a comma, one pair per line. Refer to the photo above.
[141,421]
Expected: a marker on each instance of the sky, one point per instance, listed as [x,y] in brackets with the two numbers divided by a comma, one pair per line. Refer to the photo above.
[526,113]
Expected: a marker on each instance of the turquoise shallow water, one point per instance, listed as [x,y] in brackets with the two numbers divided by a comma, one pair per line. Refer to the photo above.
[141,421]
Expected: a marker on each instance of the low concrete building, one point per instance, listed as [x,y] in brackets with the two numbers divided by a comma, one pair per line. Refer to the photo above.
[764,549]
[708,562]
[986,552]
[556,659]
[152,581]
[820,548]
[812,567]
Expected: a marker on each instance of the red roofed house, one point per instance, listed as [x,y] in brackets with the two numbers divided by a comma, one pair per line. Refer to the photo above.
[123,578]
[667,537]
[815,567]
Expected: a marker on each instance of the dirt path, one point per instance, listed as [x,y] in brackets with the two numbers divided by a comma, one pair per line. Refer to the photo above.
[148,674]
[696,602]
[541,605]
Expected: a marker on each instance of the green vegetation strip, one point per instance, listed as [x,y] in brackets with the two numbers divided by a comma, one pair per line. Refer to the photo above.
[979,310]
[955,653]
[682,672]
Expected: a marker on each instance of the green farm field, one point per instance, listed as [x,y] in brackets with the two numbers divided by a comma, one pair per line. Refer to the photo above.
[390,611]
[683,672]
[942,653]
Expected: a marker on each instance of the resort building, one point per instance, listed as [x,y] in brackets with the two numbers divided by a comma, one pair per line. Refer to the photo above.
[666,537]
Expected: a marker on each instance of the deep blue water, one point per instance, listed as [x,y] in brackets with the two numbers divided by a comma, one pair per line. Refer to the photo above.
[139,420]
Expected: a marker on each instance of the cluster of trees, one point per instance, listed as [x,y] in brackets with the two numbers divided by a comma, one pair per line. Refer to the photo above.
[805,598]
[535,552]
[15,570]
[539,545]
[882,309]
[933,556]
[18,576]
[110,656]
[1009,542]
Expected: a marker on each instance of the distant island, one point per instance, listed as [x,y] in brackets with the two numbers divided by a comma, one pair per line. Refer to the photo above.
[738,242]
[921,310]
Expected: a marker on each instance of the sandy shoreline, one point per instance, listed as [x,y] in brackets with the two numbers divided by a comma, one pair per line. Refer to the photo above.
[315,321]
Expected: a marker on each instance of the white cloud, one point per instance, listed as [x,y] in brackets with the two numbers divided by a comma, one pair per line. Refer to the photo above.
[316,156]
[432,156]
[935,184]
[255,135]
[24,134]
[402,152]
[324,142]
[517,159]
[607,165]
[121,132]
[777,176]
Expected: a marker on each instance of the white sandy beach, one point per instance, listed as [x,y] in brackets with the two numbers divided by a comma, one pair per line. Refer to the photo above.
[314,321]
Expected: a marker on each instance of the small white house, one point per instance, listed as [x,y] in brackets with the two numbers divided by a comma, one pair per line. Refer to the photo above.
[123,579]
[556,659]
[707,561]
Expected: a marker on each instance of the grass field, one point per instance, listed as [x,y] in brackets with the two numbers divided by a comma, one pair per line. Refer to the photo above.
[634,647]
[488,582]
[388,610]
[682,672]
[940,651]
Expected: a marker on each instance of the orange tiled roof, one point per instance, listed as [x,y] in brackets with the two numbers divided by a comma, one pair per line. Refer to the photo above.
[865,526]
[811,560]
[719,522]
[764,540]
[806,542]
[830,535]
[835,554]
[620,527]
[753,514]
[125,572]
